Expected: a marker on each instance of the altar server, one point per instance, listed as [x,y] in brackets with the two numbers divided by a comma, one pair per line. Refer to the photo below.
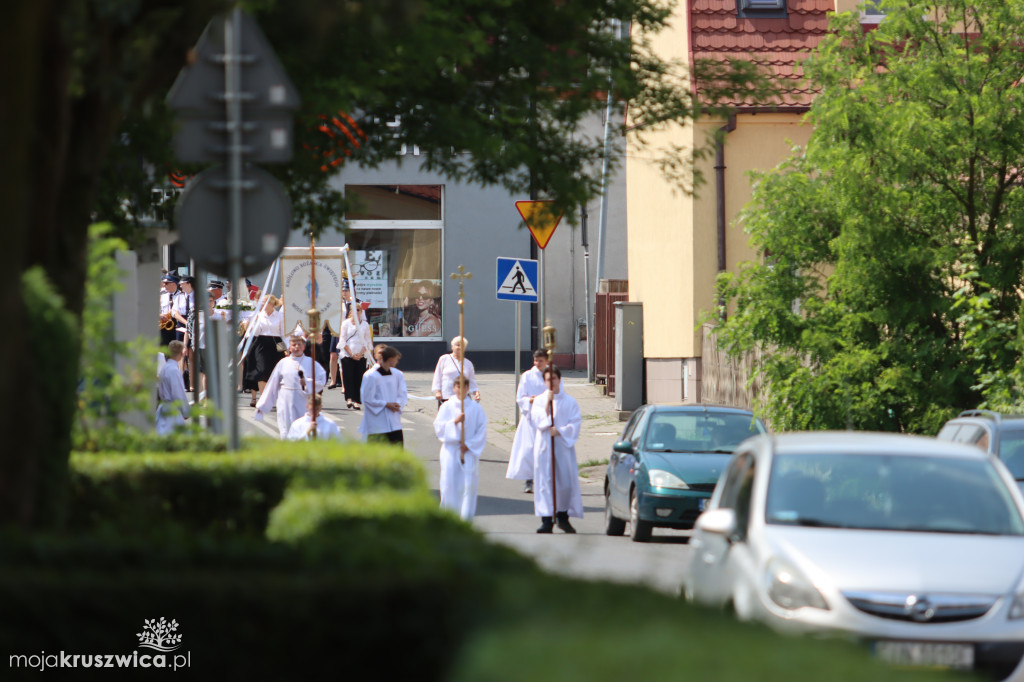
[563,431]
[289,385]
[460,454]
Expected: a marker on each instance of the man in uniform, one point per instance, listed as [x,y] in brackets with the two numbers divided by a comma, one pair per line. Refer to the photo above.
[168,299]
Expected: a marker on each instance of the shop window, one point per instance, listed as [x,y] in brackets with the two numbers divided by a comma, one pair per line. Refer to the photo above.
[395,241]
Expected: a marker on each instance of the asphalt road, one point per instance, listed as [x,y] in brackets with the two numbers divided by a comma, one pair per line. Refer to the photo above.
[504,511]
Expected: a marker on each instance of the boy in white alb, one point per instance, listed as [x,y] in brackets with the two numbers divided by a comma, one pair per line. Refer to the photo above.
[384,396]
[302,428]
[462,437]
[531,385]
[563,431]
[289,385]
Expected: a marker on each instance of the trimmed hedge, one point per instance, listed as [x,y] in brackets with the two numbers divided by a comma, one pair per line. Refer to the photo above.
[338,561]
[222,493]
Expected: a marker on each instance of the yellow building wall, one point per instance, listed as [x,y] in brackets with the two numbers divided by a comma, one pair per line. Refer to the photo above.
[673,239]
[660,220]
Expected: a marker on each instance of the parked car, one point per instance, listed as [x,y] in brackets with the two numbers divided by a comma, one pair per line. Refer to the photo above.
[1000,434]
[911,544]
[663,470]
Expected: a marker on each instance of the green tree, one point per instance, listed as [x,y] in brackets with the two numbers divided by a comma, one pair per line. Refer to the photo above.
[492,91]
[889,282]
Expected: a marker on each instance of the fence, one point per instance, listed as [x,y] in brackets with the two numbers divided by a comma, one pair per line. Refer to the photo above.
[609,291]
[723,378]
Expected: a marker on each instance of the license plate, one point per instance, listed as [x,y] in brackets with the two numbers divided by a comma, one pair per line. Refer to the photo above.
[929,654]
[702,503]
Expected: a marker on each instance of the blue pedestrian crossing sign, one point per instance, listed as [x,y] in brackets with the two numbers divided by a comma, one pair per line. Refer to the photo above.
[517,280]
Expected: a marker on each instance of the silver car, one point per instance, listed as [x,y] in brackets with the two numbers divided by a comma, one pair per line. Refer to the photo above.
[913,545]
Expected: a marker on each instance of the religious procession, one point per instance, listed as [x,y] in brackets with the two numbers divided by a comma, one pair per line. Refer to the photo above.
[284,366]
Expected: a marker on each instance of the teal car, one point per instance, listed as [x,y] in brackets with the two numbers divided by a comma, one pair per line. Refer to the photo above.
[664,467]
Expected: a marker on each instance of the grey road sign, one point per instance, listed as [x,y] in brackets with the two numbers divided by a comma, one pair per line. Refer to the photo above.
[267,95]
[202,219]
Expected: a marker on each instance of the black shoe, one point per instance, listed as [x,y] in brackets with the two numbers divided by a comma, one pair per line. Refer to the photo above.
[546,525]
[563,523]
[334,385]
[528,486]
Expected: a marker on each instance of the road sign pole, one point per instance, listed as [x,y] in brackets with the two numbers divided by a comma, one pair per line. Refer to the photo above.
[539,341]
[519,347]
[232,78]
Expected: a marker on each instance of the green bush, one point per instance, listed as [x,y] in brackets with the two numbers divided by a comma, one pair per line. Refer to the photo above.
[222,493]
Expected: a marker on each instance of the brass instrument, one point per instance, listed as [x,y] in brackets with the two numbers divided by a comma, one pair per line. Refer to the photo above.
[166,321]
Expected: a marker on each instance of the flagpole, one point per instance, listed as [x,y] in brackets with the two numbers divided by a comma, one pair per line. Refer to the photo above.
[314,324]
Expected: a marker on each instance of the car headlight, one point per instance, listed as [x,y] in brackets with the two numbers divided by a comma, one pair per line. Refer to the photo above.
[1017,607]
[660,478]
[788,588]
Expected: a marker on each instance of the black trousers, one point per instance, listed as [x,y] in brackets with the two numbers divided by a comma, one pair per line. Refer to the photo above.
[395,437]
[352,378]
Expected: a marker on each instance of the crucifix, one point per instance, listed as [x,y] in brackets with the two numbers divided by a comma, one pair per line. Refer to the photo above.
[314,324]
[462,276]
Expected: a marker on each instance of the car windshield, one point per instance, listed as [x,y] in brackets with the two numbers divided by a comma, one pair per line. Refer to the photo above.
[1011,451]
[694,432]
[891,492]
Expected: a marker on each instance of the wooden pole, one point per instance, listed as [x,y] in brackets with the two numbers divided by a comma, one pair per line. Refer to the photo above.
[549,343]
[461,276]
[313,331]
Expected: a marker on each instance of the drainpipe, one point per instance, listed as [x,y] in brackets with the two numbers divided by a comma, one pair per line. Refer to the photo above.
[720,187]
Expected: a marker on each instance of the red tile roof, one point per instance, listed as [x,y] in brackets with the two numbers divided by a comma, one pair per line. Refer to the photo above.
[716,32]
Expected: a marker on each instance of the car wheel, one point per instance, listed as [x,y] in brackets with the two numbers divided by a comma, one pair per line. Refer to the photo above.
[612,524]
[639,530]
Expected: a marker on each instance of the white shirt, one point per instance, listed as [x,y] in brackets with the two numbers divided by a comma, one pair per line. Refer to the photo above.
[268,325]
[446,371]
[355,339]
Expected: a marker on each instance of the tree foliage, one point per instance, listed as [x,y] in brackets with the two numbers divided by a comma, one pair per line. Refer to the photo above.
[889,284]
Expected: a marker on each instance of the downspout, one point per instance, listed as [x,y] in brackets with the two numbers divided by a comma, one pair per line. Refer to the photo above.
[720,187]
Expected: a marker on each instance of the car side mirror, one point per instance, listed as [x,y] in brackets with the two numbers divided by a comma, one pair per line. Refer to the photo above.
[721,521]
[623,446]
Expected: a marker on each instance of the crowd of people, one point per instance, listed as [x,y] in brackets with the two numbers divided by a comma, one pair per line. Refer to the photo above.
[284,378]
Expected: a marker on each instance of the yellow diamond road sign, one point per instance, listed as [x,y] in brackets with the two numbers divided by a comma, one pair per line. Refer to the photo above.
[540,218]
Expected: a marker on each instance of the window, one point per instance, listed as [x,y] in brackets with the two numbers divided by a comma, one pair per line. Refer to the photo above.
[765,9]
[395,242]
[871,12]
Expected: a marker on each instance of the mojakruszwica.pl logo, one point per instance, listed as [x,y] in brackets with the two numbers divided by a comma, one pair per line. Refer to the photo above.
[158,635]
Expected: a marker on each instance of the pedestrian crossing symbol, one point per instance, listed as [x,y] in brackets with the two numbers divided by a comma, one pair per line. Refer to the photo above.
[517,280]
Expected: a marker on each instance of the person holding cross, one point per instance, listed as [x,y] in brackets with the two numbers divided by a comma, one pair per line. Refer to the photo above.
[560,430]
[461,426]
[289,384]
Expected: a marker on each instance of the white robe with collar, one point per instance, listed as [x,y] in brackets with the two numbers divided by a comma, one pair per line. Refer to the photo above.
[567,474]
[520,460]
[170,389]
[284,390]
[325,428]
[459,480]
[376,392]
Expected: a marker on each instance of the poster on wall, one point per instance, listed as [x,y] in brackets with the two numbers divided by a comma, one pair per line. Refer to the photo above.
[297,286]
[370,272]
